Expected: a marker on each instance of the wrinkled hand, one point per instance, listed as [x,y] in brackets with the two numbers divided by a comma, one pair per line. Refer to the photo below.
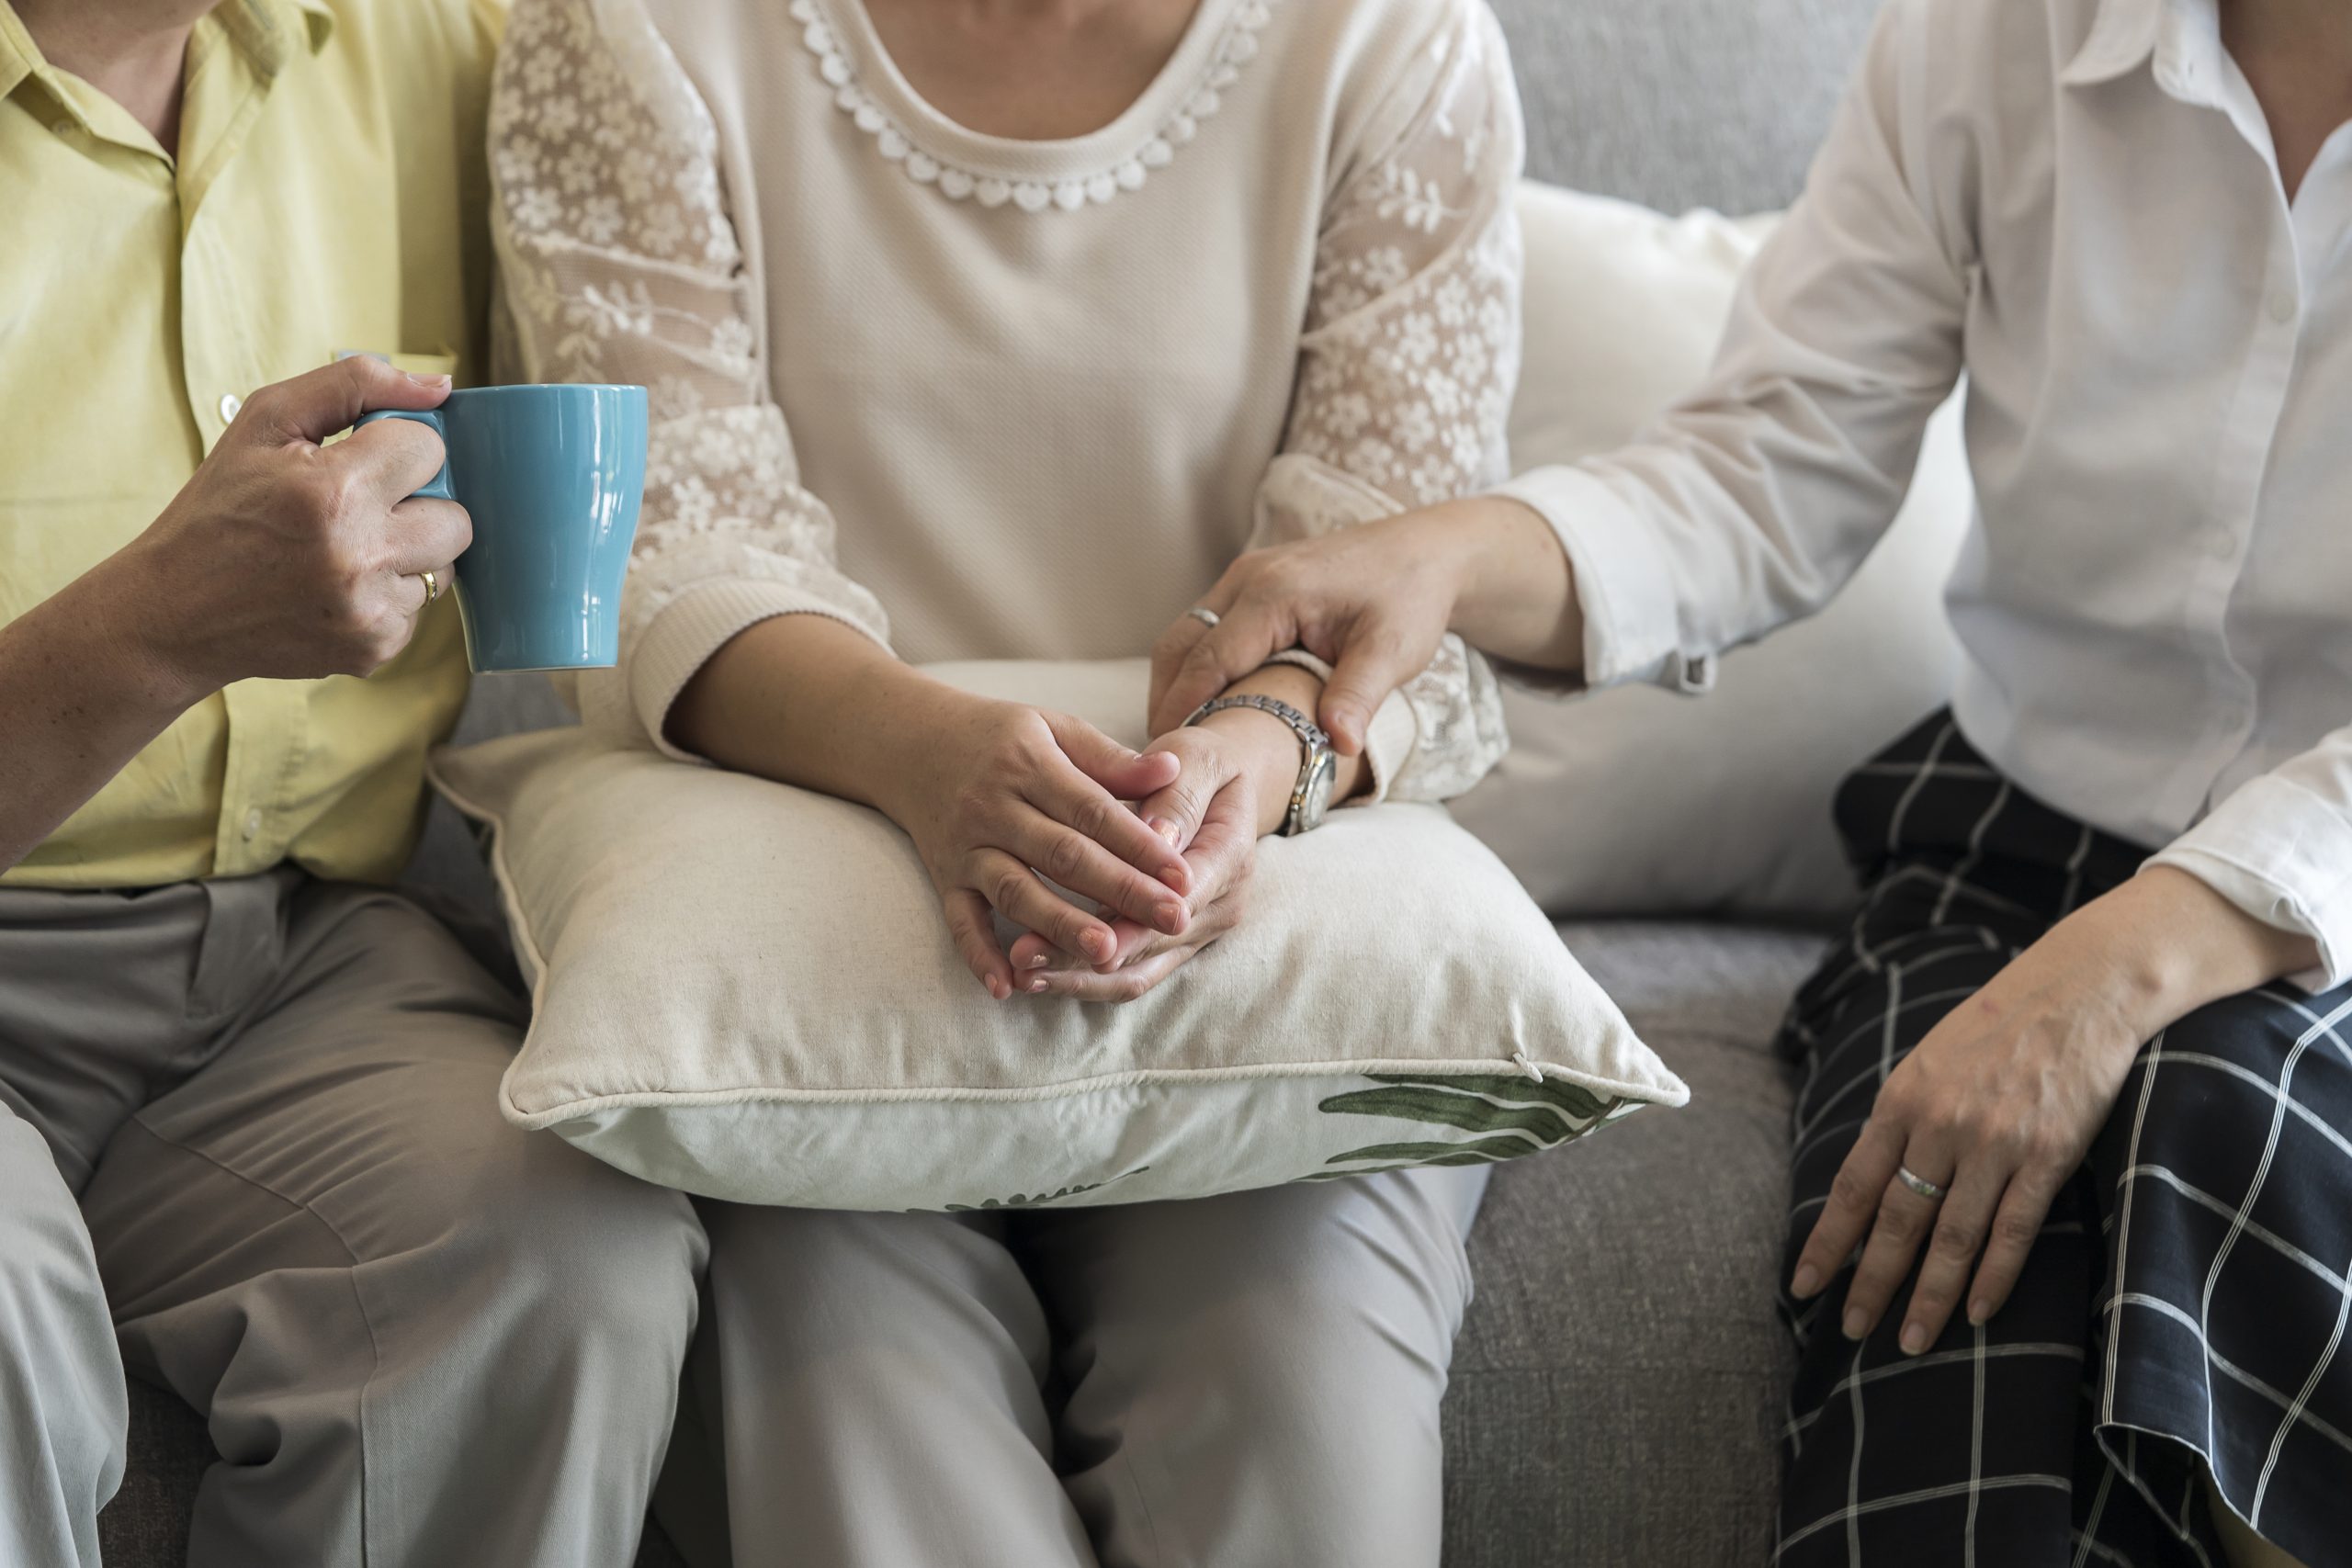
[1997,1105]
[1212,809]
[994,794]
[285,557]
[1373,600]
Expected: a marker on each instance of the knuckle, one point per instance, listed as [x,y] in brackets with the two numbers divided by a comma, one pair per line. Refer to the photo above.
[1956,1238]
[1064,857]
[2015,1230]
[1006,886]
[339,497]
[1095,817]
[2047,1149]
[1848,1191]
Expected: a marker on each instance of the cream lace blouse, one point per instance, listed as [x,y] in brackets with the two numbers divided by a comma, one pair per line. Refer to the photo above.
[1049,390]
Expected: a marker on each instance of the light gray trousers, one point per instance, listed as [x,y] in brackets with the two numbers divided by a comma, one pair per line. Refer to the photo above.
[250,1146]
[1243,1382]
[422,1337]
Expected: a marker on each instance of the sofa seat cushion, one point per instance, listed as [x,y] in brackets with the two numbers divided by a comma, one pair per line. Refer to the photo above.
[1618,1388]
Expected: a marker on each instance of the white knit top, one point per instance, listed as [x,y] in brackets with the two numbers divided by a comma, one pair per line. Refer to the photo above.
[990,399]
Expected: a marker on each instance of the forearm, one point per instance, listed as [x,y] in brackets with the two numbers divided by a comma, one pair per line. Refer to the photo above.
[80,694]
[1515,593]
[2163,945]
[806,700]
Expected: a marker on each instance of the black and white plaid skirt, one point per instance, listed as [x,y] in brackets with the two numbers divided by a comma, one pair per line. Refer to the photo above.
[2184,1305]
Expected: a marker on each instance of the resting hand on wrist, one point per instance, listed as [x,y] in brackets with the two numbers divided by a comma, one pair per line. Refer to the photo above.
[1373,602]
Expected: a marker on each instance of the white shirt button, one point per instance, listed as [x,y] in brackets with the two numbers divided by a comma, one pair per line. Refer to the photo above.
[230,404]
[253,823]
[2282,306]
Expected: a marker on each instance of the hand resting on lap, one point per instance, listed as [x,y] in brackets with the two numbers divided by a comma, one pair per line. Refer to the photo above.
[992,792]
[1999,1103]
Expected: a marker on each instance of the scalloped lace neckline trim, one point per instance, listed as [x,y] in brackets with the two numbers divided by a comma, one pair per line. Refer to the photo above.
[963,176]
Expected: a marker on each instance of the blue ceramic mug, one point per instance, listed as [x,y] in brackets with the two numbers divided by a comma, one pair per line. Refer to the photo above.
[551,476]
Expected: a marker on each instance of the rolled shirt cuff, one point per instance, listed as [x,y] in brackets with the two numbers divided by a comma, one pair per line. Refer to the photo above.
[1388,742]
[2284,856]
[695,626]
[1624,584]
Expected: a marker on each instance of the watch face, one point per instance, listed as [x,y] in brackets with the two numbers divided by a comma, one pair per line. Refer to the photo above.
[1315,799]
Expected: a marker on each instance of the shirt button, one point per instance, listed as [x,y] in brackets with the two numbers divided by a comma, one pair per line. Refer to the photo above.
[2282,307]
[253,824]
[230,404]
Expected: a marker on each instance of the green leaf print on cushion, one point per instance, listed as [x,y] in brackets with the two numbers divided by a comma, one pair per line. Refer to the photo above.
[1030,1201]
[1514,1115]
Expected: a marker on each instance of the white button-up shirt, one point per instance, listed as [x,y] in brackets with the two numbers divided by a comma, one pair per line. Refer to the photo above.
[2075,202]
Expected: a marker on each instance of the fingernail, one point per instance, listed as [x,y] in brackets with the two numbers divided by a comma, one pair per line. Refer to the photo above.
[437,382]
[997,988]
[1036,961]
[1037,984]
[1915,1338]
[1099,945]
[1164,828]
[1809,1281]
[1170,918]
[1977,1312]
[1857,1323]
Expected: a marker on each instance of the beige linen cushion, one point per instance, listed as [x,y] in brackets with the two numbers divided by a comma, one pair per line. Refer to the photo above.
[1643,801]
[747,990]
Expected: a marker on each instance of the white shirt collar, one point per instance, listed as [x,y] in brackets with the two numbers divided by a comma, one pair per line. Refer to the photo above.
[2182,38]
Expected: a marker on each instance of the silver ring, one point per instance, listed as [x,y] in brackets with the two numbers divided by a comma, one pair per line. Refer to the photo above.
[1919,1184]
[1204,615]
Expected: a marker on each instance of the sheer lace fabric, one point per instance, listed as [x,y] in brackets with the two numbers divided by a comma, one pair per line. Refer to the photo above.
[621,263]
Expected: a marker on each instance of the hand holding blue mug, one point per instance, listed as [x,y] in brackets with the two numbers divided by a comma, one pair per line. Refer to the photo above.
[551,476]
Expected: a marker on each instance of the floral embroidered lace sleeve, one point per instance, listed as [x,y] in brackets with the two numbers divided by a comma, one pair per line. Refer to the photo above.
[1407,370]
[620,263]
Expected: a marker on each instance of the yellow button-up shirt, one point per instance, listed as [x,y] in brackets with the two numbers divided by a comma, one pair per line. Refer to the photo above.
[328,196]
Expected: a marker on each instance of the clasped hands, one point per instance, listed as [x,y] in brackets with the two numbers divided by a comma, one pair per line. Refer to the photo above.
[1373,600]
[1120,864]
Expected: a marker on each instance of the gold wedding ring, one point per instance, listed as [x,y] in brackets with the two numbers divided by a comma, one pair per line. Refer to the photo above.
[431,586]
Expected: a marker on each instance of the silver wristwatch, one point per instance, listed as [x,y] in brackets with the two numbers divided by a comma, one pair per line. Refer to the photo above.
[1319,767]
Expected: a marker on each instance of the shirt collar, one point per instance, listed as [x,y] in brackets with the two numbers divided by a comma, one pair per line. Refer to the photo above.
[18,58]
[271,31]
[2181,39]
[267,31]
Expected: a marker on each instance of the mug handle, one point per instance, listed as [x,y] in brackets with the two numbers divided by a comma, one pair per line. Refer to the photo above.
[437,488]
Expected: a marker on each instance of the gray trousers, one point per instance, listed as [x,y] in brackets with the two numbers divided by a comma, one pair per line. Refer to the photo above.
[250,1147]
[422,1337]
[1244,1381]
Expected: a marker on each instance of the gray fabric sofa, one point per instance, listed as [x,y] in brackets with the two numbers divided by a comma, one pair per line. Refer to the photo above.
[1620,1377]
